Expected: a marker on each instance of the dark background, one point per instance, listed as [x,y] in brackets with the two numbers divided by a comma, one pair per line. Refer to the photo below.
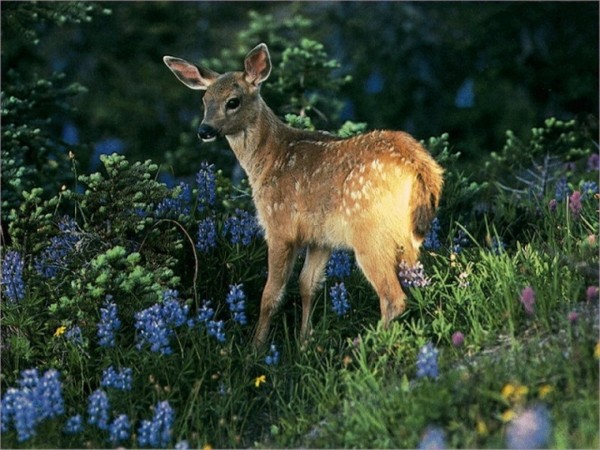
[471,69]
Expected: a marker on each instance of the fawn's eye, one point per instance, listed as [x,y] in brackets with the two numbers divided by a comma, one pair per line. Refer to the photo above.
[232,103]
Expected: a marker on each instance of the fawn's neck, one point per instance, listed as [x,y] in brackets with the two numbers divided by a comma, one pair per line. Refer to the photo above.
[259,144]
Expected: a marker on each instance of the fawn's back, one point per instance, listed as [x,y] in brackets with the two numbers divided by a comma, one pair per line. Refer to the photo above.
[375,193]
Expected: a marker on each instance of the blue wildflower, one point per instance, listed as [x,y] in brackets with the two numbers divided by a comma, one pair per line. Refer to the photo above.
[205,313]
[182,445]
[207,235]
[432,240]
[121,379]
[206,180]
[241,228]
[588,189]
[48,395]
[174,313]
[12,276]
[427,361]
[215,328]
[460,241]
[339,299]
[157,432]
[74,335]
[531,429]
[55,257]
[36,399]
[98,409]
[109,323]
[120,429]
[178,204]
[413,277]
[236,299]
[18,406]
[339,264]
[433,439]
[155,324]
[561,190]
[272,358]
[153,329]
[74,424]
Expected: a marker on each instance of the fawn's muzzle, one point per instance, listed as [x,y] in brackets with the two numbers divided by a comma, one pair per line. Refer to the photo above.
[207,133]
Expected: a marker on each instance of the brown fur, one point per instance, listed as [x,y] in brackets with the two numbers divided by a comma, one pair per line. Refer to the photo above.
[375,193]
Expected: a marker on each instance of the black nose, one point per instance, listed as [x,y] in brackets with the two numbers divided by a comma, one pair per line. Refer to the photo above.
[207,133]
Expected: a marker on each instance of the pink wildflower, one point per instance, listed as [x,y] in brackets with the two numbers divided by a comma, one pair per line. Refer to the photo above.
[591,293]
[528,300]
[575,204]
[458,339]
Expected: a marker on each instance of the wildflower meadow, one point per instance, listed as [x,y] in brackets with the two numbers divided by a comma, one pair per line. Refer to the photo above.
[128,303]
[126,322]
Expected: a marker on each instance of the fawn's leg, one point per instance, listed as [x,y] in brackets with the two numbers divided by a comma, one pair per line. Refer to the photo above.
[281,260]
[311,277]
[382,274]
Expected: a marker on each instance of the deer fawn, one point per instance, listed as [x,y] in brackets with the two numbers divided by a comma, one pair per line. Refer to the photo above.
[375,193]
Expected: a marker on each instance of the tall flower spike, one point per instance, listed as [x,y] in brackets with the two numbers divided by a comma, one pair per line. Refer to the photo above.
[427,362]
[12,276]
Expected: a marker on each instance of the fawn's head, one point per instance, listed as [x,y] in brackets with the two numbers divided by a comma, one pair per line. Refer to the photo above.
[231,99]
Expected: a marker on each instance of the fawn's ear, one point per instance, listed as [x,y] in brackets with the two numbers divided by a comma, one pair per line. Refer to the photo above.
[192,76]
[257,65]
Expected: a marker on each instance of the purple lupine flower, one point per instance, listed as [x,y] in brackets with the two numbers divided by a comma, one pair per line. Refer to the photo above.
[157,432]
[242,228]
[12,276]
[553,205]
[427,361]
[119,429]
[236,299]
[206,181]
[179,204]
[339,264]
[432,240]
[98,409]
[207,235]
[413,276]
[74,424]
[339,299]
[272,358]
[121,379]
[155,324]
[561,190]
[55,257]
[109,323]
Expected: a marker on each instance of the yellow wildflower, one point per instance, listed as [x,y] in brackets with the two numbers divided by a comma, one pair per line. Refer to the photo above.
[482,429]
[508,415]
[207,447]
[507,391]
[514,393]
[520,392]
[544,390]
[60,331]
[597,351]
[260,380]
